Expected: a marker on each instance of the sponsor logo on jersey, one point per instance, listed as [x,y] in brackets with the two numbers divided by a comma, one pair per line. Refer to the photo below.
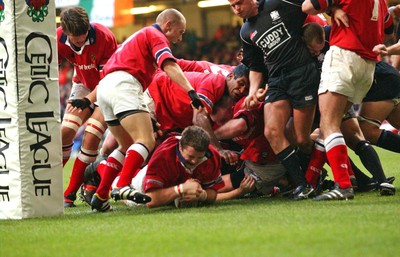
[308,98]
[275,15]
[85,66]
[273,38]
[93,58]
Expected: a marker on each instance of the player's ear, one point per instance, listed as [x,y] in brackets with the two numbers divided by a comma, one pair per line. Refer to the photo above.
[168,25]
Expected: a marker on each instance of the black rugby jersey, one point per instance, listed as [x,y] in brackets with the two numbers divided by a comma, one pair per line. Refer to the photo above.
[273,37]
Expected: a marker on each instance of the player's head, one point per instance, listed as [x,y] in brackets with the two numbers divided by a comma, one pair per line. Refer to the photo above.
[173,24]
[244,8]
[75,24]
[193,145]
[314,37]
[238,82]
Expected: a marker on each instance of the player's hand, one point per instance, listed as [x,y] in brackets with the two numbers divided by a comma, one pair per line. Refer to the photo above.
[203,195]
[190,198]
[196,102]
[230,157]
[261,92]
[247,185]
[380,49]
[82,104]
[156,128]
[200,196]
[191,187]
[340,16]
[395,10]
[251,101]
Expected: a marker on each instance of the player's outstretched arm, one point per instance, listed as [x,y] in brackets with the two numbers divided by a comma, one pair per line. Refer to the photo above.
[175,73]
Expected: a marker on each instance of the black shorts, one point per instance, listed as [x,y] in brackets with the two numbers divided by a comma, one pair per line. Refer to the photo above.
[386,85]
[298,85]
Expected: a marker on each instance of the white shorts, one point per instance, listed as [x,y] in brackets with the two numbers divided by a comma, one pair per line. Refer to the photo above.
[346,73]
[119,92]
[78,91]
[149,101]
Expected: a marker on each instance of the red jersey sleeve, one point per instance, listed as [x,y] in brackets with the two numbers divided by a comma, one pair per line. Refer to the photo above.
[322,5]
[209,87]
[172,104]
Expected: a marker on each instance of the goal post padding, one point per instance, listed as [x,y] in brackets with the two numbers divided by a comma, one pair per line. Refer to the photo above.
[31,179]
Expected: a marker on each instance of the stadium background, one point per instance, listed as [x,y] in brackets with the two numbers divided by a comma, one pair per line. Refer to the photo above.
[212,32]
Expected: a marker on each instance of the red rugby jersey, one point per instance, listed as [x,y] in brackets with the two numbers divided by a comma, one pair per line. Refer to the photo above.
[89,62]
[172,104]
[166,170]
[141,54]
[368,20]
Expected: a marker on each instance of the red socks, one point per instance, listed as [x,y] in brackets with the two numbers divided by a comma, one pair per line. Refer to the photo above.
[317,162]
[77,177]
[135,156]
[336,152]
[108,172]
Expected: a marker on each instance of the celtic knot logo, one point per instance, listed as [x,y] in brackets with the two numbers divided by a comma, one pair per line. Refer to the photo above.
[37,9]
[2,16]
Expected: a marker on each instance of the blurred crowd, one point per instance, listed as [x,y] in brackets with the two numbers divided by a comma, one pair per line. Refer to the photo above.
[222,48]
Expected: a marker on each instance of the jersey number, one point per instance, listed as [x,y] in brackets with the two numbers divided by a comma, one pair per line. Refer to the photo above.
[375,11]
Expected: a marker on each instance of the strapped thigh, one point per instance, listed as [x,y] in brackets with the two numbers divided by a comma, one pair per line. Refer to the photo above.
[374,122]
[72,121]
[95,127]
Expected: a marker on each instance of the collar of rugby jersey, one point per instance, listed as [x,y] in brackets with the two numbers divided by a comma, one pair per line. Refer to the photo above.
[91,39]
[183,161]
[155,25]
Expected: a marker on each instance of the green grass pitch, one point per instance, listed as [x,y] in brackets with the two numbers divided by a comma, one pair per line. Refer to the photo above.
[366,226]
